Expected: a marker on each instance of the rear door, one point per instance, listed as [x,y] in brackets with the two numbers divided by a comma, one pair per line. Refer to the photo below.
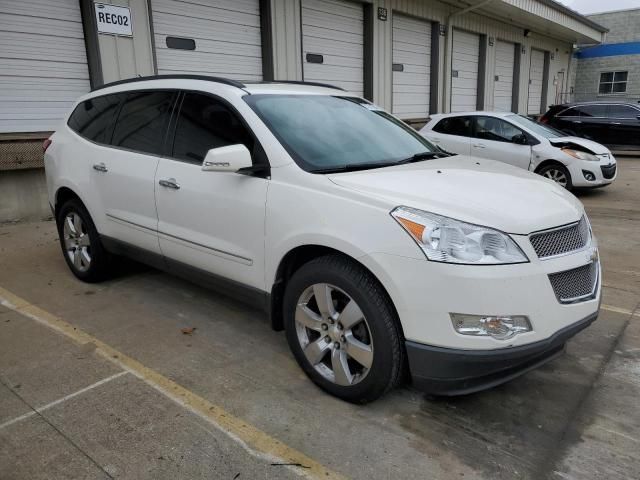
[123,174]
[623,125]
[494,139]
[593,123]
[452,134]
[213,221]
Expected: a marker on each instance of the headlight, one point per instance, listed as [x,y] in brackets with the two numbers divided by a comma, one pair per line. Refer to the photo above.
[580,155]
[444,239]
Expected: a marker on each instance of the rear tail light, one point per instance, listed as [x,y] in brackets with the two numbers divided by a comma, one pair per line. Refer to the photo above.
[46,144]
[543,119]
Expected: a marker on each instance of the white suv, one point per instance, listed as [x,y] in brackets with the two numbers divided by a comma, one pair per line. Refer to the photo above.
[375,254]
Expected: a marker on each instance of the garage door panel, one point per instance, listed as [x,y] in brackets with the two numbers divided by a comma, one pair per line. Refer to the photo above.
[229,14]
[464,66]
[338,8]
[43,63]
[198,29]
[411,48]
[503,71]
[335,30]
[536,74]
[226,32]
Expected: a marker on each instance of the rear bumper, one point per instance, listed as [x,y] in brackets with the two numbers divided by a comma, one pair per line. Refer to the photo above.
[447,371]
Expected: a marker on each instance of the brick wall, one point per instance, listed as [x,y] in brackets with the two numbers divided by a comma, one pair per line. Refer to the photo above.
[624,26]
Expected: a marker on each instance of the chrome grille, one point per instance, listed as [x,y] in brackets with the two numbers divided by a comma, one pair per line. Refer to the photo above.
[575,285]
[561,240]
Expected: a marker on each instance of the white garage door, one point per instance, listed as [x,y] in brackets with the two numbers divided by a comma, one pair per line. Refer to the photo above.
[503,79]
[333,43]
[43,64]
[464,75]
[226,34]
[411,67]
[536,78]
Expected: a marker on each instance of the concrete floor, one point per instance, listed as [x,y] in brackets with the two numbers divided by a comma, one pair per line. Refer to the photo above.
[67,410]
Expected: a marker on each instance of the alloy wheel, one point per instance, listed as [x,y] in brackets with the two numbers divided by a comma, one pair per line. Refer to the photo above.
[76,242]
[334,334]
[557,176]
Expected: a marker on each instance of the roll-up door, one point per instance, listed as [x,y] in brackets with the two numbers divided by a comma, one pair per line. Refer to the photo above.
[464,71]
[208,37]
[536,79]
[333,43]
[503,76]
[411,67]
[43,65]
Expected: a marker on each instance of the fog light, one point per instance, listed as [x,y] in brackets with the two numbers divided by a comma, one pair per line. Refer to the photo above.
[588,175]
[500,327]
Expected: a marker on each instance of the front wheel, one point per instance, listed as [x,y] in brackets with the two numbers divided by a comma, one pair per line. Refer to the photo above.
[342,329]
[558,173]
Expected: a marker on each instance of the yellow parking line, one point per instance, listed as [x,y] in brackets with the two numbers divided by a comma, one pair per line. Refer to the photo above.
[624,311]
[251,438]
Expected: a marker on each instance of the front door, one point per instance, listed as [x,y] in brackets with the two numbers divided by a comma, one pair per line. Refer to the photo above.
[123,175]
[213,221]
[497,139]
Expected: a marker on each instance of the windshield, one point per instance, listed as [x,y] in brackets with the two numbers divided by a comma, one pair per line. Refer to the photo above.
[324,133]
[536,127]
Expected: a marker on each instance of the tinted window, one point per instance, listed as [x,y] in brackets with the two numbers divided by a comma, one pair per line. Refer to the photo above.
[205,123]
[593,111]
[623,111]
[570,112]
[490,128]
[454,126]
[324,132]
[536,127]
[142,122]
[93,119]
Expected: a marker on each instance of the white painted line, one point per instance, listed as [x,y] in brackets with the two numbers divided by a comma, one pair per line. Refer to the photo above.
[624,311]
[63,399]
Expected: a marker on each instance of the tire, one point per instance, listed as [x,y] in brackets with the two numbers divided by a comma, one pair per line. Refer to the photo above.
[365,358]
[558,173]
[80,242]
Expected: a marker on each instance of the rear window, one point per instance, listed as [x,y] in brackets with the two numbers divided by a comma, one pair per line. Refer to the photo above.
[93,119]
[454,126]
[142,123]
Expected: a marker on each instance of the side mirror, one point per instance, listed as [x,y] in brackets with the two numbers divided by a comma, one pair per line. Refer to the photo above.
[227,159]
[520,139]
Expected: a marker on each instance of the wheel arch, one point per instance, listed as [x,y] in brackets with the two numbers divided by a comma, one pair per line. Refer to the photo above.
[296,258]
[547,162]
[64,194]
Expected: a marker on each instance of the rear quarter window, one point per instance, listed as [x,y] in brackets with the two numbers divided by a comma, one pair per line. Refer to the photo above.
[93,119]
[454,126]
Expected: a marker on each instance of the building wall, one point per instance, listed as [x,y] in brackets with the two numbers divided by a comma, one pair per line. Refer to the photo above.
[623,25]
[624,34]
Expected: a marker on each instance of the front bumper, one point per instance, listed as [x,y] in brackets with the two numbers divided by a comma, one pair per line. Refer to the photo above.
[448,371]
[604,172]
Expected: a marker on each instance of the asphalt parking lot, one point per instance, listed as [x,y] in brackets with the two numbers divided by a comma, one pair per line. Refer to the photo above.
[148,376]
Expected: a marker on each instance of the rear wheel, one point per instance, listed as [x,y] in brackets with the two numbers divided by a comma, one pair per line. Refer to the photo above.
[80,242]
[342,329]
[558,173]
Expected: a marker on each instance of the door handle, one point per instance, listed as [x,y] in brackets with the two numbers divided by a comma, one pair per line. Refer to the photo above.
[479,145]
[576,121]
[100,167]
[616,123]
[170,183]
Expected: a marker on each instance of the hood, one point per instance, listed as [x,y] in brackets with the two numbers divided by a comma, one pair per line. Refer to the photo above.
[471,189]
[589,145]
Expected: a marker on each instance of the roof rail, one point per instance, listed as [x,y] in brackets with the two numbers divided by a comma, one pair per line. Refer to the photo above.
[299,82]
[226,81]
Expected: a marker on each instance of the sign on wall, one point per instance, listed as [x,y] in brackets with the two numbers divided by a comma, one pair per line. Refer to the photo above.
[113,19]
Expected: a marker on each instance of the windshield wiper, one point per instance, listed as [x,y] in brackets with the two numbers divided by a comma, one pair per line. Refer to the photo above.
[419,157]
[353,167]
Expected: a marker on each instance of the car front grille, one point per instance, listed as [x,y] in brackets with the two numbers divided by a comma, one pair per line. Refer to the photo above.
[608,171]
[575,285]
[561,240]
